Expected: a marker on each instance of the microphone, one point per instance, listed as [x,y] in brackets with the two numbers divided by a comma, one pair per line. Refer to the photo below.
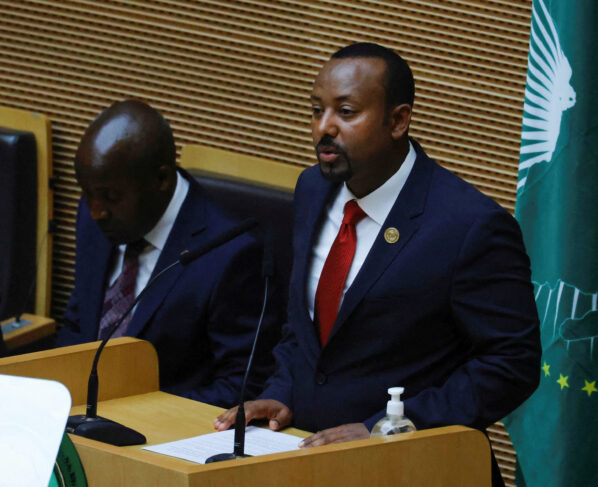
[239,440]
[188,256]
[92,426]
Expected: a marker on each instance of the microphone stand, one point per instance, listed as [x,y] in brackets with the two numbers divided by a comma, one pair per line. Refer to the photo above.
[239,441]
[95,427]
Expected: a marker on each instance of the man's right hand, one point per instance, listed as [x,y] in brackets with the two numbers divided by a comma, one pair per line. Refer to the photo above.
[277,414]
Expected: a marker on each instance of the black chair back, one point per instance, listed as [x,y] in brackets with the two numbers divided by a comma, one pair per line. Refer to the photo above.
[18,221]
[272,208]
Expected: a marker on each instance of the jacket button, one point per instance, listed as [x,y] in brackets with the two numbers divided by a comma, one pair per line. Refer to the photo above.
[321,379]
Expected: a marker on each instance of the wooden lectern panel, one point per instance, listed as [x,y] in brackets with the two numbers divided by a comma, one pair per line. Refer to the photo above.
[443,457]
[127,366]
[454,456]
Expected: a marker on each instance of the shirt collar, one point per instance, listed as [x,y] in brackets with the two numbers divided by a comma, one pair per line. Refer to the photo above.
[378,203]
[157,236]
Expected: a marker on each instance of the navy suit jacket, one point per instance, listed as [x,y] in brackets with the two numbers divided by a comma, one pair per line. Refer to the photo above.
[201,318]
[447,312]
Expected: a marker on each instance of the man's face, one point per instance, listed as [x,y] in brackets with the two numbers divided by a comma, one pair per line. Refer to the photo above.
[350,125]
[121,201]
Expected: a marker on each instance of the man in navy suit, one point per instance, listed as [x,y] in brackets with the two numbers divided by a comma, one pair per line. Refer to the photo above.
[437,297]
[137,214]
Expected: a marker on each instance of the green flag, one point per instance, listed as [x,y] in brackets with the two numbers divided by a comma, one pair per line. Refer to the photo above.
[555,432]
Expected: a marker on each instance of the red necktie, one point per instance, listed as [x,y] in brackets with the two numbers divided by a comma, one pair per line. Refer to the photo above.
[336,268]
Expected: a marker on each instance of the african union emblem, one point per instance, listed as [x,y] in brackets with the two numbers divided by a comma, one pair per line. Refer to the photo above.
[547,95]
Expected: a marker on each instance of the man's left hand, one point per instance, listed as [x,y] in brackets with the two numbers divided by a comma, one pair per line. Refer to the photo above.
[345,432]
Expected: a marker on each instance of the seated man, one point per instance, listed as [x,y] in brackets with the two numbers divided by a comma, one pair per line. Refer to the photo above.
[423,283]
[137,213]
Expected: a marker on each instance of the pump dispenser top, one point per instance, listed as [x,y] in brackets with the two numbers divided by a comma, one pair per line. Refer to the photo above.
[395,406]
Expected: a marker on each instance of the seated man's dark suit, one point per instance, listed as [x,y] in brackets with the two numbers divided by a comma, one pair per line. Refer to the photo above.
[201,318]
[447,312]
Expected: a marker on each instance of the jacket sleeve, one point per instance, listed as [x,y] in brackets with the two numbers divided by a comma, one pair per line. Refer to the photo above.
[492,304]
[70,332]
[279,385]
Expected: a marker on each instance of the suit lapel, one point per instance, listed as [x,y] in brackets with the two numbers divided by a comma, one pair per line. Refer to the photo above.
[186,233]
[97,263]
[93,266]
[100,254]
[320,192]
[403,216]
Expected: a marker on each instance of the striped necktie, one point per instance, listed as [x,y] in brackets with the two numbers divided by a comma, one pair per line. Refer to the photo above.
[121,294]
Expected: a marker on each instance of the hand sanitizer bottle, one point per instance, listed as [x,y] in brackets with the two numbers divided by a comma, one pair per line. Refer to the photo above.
[395,421]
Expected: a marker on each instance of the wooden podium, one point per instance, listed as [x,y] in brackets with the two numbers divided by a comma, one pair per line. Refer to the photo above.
[129,393]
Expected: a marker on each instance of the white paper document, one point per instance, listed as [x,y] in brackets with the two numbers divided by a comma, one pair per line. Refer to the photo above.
[258,441]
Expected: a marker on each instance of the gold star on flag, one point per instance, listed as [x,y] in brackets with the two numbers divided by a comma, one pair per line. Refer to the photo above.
[546,369]
[563,381]
[589,387]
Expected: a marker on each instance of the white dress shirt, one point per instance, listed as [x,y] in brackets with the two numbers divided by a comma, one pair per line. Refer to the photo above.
[376,205]
[156,238]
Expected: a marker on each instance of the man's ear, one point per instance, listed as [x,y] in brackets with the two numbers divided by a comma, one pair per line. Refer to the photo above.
[400,118]
[166,177]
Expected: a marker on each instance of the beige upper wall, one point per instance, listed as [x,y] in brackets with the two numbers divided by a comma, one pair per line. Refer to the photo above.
[237,75]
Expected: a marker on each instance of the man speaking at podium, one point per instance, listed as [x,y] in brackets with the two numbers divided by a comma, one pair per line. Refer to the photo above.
[137,213]
[403,275]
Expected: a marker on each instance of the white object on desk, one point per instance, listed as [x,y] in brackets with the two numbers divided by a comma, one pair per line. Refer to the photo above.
[33,414]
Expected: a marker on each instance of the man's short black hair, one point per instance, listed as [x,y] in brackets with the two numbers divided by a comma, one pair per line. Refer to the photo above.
[400,87]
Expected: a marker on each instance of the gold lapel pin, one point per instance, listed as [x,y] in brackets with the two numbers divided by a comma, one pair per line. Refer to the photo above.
[391,235]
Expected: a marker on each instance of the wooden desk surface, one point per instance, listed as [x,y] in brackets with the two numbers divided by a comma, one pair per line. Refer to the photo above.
[161,417]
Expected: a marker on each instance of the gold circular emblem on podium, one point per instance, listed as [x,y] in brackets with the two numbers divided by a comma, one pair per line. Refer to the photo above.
[391,235]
